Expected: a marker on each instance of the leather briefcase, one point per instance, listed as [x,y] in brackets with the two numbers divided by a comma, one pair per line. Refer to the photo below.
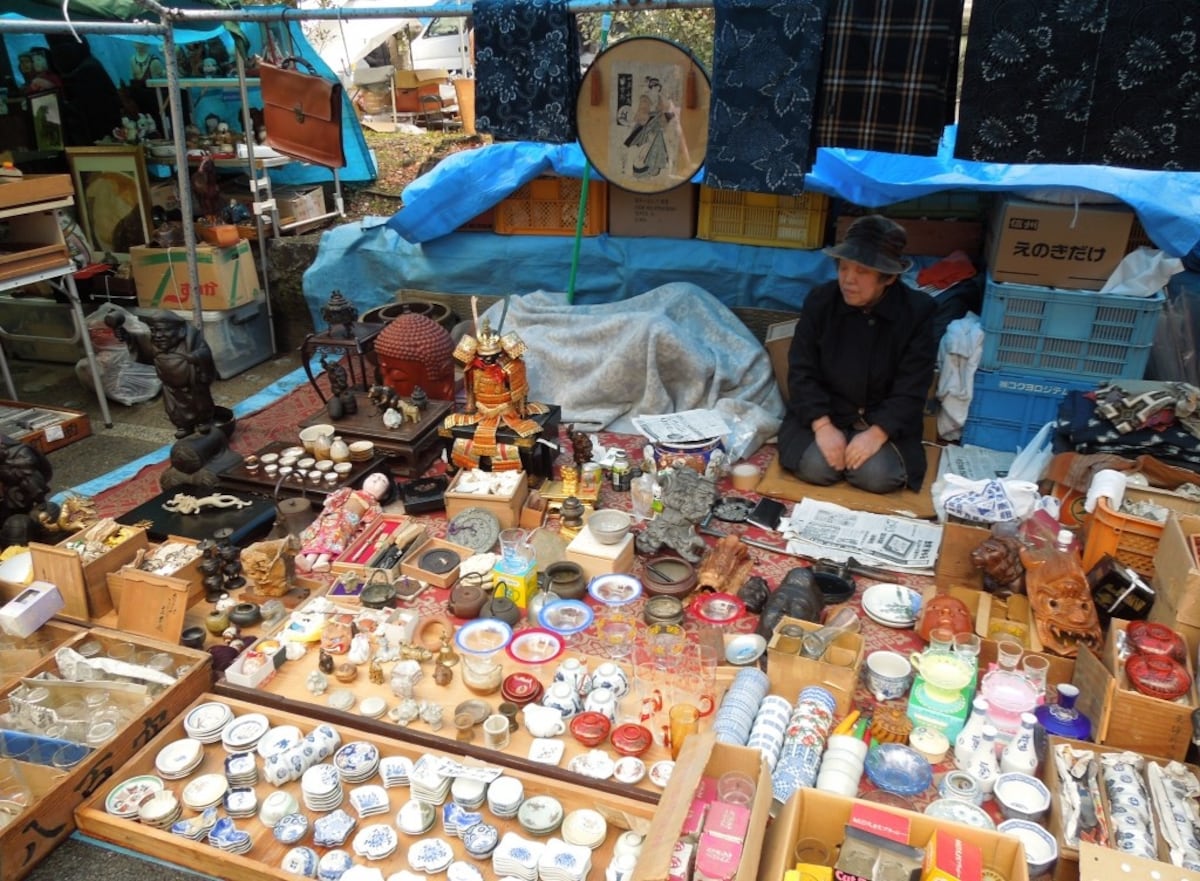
[302,113]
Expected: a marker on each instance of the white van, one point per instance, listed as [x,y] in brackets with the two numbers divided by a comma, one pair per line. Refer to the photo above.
[443,44]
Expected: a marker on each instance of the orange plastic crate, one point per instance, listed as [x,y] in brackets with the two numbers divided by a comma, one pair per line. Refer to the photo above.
[763,218]
[549,206]
[1130,540]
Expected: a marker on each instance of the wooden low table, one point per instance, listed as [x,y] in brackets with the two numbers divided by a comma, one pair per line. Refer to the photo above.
[409,449]
[241,478]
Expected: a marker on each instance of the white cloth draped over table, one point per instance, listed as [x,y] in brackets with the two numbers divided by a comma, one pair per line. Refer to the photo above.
[673,348]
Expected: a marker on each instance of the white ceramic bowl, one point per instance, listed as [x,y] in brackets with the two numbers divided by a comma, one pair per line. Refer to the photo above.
[1041,850]
[609,526]
[1022,797]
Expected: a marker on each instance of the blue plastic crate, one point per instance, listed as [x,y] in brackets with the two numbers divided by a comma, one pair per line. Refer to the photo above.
[1008,408]
[1068,333]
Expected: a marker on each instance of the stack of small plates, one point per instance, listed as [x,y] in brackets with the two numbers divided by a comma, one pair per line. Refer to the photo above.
[415,817]
[564,862]
[395,770]
[517,856]
[430,855]
[321,787]
[241,769]
[427,783]
[196,827]
[461,870]
[206,722]
[376,842]
[278,739]
[369,800]
[504,796]
[540,815]
[356,761]
[300,861]
[468,792]
[205,791]
[456,819]
[291,828]
[226,836]
[241,801]
[179,758]
[244,732]
[160,810]
[480,840]
[333,829]
[595,763]
[333,865]
[585,828]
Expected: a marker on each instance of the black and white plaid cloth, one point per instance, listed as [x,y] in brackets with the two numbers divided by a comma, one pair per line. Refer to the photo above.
[886,72]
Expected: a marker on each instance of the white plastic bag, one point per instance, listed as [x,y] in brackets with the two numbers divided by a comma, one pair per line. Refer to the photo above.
[1142,273]
[1031,462]
[124,379]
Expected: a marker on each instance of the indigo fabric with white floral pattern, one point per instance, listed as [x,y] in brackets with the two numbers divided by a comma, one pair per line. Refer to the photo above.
[1098,82]
[526,70]
[766,64]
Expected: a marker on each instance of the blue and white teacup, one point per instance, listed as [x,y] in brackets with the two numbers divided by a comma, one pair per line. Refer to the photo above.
[889,675]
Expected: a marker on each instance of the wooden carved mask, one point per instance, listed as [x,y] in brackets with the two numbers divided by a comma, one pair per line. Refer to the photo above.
[1063,611]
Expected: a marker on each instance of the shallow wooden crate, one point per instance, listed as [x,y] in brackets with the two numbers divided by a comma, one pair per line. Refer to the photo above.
[84,587]
[262,862]
[33,649]
[34,833]
[188,576]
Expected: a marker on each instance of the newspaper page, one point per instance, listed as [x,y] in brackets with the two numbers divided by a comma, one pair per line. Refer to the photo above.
[974,463]
[682,428]
[824,530]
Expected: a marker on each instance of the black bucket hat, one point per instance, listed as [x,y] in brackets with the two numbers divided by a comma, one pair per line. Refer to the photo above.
[876,242]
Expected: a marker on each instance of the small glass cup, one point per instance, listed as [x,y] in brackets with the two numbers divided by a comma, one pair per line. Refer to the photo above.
[941,639]
[684,721]
[1036,670]
[15,793]
[69,755]
[1008,654]
[122,651]
[968,645]
[811,852]
[736,788]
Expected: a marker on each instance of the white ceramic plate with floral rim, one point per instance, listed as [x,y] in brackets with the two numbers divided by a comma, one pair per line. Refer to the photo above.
[660,773]
[179,756]
[245,731]
[629,770]
[892,605]
[546,751]
[205,791]
[593,763]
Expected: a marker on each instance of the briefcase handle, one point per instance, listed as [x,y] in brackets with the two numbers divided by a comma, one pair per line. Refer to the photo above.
[296,61]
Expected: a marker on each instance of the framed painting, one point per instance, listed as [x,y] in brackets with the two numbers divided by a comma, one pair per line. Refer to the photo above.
[112,197]
[47,120]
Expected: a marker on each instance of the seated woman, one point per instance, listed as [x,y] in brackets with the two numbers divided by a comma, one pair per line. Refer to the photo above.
[859,369]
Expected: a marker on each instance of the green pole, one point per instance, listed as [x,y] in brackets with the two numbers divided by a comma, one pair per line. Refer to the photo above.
[605,23]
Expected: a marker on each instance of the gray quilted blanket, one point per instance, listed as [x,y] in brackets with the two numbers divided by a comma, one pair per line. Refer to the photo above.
[671,349]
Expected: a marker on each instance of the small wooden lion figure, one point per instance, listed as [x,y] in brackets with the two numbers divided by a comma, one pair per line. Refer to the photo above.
[270,566]
[999,558]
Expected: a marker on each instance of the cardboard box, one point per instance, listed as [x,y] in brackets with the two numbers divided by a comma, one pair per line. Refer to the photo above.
[30,609]
[228,277]
[595,558]
[954,567]
[823,815]
[274,658]
[31,835]
[949,857]
[413,85]
[995,617]
[84,587]
[778,343]
[507,509]
[701,757]
[931,238]
[1176,572]
[1064,246]
[669,215]
[838,671]
[1128,719]
[298,204]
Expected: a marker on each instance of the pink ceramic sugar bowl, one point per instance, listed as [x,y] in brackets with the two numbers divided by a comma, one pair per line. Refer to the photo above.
[1008,695]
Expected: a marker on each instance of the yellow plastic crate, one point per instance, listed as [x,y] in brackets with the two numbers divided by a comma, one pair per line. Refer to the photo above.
[763,218]
[549,206]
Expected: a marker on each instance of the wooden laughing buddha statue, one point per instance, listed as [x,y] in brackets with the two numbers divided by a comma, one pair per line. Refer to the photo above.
[497,395]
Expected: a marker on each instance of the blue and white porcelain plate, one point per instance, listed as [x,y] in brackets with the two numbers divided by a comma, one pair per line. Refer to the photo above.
[376,842]
[333,829]
[291,828]
[300,861]
[431,855]
[333,865]
[356,756]
[277,740]
[480,839]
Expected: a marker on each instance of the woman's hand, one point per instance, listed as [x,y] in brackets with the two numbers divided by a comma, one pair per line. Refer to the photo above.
[832,444]
[863,446]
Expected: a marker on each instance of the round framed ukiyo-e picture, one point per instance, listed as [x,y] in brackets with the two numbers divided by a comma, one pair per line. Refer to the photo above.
[642,114]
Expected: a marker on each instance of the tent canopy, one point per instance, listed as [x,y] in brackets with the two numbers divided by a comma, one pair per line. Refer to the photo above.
[343,44]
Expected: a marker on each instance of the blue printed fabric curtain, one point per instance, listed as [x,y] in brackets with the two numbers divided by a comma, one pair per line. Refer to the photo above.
[888,72]
[761,114]
[526,70]
[1099,82]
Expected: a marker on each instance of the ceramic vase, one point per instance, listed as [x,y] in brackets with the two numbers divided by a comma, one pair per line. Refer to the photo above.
[972,732]
[1061,718]
[1020,753]
[984,766]
[339,450]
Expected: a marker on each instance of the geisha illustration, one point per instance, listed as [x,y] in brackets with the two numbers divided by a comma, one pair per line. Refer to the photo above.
[654,139]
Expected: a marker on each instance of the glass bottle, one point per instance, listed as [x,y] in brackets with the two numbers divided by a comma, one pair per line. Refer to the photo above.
[968,739]
[814,645]
[1061,718]
[984,766]
[619,471]
[1020,753]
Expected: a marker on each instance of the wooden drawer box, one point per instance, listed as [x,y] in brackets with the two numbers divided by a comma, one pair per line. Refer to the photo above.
[30,836]
[262,862]
[506,508]
[84,587]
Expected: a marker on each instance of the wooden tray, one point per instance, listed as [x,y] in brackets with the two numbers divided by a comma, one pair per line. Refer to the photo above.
[238,477]
[287,690]
[410,449]
[30,651]
[262,862]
